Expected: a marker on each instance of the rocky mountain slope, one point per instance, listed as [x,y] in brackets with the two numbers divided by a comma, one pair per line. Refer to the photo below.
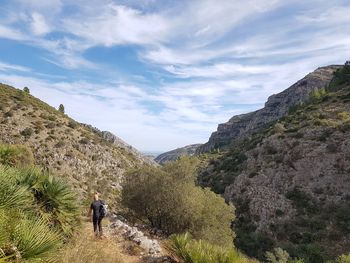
[173,155]
[90,159]
[290,181]
[276,107]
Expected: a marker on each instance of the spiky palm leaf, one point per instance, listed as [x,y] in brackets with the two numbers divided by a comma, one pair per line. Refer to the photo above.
[34,239]
[60,201]
[13,195]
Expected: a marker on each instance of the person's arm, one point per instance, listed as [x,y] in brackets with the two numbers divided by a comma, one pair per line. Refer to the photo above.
[90,213]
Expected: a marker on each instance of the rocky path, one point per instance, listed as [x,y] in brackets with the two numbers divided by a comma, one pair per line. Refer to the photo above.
[136,245]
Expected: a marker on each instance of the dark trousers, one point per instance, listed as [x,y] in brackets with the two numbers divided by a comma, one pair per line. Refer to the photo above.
[97,226]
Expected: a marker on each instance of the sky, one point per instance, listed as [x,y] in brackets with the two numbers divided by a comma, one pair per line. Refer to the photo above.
[162,74]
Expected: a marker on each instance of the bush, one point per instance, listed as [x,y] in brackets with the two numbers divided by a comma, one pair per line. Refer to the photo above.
[36,210]
[187,250]
[170,200]
[61,108]
[15,155]
[72,124]
[84,141]
[26,90]
[27,132]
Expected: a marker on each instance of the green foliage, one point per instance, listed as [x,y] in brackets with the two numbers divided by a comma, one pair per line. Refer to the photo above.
[184,248]
[170,200]
[15,155]
[27,132]
[34,239]
[277,256]
[36,211]
[343,259]
[318,94]
[61,108]
[311,253]
[341,78]
[26,90]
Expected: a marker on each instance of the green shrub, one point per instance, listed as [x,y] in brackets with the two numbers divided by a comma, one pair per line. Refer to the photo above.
[277,256]
[61,108]
[84,141]
[8,114]
[183,248]
[36,211]
[72,124]
[318,94]
[27,132]
[26,90]
[170,200]
[15,155]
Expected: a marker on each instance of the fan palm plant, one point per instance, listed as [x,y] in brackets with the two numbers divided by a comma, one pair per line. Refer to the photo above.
[59,202]
[13,195]
[34,239]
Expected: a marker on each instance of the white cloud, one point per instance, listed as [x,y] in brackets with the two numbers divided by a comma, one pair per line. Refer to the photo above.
[10,67]
[117,24]
[39,25]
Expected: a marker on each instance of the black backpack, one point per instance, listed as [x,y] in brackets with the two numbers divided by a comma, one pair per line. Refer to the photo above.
[103,210]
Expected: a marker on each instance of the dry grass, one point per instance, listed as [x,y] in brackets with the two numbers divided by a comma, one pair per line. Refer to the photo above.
[85,248]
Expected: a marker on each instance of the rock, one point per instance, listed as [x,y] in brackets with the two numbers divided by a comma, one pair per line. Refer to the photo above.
[150,246]
[277,106]
[173,155]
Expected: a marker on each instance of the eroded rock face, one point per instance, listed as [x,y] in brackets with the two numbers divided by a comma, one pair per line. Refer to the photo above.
[173,155]
[276,107]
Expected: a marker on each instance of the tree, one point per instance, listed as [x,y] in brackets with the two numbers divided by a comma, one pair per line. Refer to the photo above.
[26,90]
[61,108]
[169,199]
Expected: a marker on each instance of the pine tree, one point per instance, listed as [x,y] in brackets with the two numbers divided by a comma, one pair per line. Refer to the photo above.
[61,108]
[26,90]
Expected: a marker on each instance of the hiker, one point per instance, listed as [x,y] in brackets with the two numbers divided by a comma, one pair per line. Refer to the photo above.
[97,212]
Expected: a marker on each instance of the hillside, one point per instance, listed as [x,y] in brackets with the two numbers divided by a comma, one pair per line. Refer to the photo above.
[173,155]
[89,158]
[290,181]
[277,106]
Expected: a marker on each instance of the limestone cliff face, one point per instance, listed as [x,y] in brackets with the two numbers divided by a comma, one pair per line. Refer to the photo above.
[173,155]
[276,107]
[290,181]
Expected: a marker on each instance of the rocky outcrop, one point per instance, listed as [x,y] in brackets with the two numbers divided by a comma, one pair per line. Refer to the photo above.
[173,155]
[120,228]
[290,181]
[115,140]
[276,107]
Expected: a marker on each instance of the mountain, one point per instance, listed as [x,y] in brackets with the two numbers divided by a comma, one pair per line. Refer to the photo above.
[289,181]
[276,107]
[173,155]
[90,159]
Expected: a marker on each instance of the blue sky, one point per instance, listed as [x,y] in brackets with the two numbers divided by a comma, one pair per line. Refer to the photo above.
[163,73]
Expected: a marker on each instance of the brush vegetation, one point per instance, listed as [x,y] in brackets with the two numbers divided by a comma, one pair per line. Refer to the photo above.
[37,211]
[170,200]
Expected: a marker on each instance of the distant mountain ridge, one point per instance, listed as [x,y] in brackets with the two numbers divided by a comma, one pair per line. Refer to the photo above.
[113,139]
[173,155]
[276,107]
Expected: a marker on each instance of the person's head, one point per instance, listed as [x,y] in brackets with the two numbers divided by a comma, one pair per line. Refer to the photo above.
[96,196]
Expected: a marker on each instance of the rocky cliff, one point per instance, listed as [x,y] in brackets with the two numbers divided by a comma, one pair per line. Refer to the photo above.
[173,155]
[90,159]
[290,181]
[276,107]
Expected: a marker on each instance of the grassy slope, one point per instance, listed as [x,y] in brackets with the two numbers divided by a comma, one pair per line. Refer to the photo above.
[62,145]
